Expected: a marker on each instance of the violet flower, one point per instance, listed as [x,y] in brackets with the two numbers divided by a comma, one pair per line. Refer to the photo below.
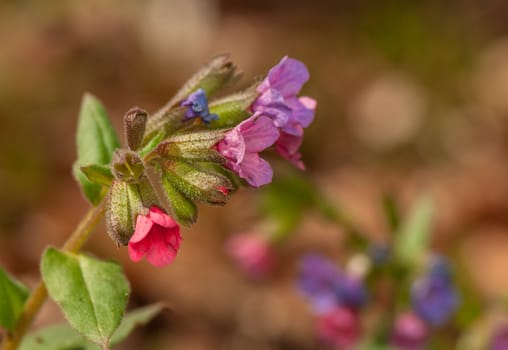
[434,297]
[198,107]
[291,114]
[321,281]
[241,147]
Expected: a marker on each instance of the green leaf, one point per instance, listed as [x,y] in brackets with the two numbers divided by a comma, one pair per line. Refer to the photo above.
[96,140]
[99,174]
[391,211]
[136,318]
[57,337]
[63,337]
[91,293]
[413,237]
[13,295]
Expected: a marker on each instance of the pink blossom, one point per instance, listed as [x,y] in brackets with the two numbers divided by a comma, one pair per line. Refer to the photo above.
[241,147]
[157,236]
[339,328]
[253,254]
[409,332]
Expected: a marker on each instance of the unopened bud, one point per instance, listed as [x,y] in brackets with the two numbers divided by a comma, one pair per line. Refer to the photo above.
[135,123]
[127,166]
[197,183]
[232,109]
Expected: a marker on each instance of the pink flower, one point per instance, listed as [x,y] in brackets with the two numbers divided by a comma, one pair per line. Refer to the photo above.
[253,254]
[157,236]
[409,332]
[291,114]
[339,328]
[241,147]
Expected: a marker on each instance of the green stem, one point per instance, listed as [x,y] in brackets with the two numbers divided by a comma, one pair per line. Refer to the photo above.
[38,296]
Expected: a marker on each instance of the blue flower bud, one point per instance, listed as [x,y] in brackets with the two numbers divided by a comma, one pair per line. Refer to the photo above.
[198,107]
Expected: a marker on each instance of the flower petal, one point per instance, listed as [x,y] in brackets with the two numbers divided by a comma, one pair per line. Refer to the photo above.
[288,77]
[143,226]
[287,146]
[160,217]
[255,170]
[163,246]
[258,134]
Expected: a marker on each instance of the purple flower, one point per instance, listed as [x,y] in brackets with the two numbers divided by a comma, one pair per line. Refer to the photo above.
[409,332]
[434,297]
[278,100]
[317,280]
[327,287]
[198,107]
[500,338]
[340,328]
[241,147]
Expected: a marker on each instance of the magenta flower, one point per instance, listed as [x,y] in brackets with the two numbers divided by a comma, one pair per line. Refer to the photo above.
[157,236]
[291,114]
[409,332]
[339,328]
[241,147]
[252,253]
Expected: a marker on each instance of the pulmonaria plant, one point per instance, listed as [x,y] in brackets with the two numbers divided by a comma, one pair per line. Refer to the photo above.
[187,152]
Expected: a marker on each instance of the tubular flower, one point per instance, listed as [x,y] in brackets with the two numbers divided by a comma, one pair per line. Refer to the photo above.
[291,114]
[156,236]
[198,107]
[241,147]
[253,254]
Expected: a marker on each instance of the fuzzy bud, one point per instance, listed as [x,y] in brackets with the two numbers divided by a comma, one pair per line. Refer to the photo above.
[135,123]
[197,183]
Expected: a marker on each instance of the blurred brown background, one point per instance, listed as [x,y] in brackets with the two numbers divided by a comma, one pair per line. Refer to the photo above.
[412,96]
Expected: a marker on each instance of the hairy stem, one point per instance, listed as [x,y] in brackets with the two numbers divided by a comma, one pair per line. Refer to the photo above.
[38,296]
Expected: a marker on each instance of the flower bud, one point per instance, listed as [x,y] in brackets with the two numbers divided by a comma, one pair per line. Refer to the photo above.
[219,72]
[135,123]
[127,166]
[123,204]
[195,147]
[232,109]
[197,183]
[184,210]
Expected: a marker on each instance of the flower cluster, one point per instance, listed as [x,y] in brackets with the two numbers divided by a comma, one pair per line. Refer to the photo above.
[279,117]
[336,298]
[195,151]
